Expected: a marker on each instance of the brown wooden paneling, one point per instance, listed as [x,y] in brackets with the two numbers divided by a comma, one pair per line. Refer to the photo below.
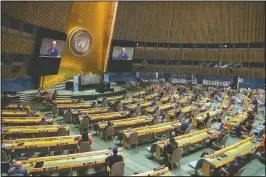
[17,45]
[53,15]
[215,22]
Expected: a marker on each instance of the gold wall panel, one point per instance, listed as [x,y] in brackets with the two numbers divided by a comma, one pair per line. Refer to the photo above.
[215,22]
[52,15]
[96,17]
[16,45]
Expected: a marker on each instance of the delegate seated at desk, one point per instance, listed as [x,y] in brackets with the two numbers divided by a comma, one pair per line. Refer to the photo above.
[204,122]
[233,167]
[84,138]
[109,124]
[169,148]
[112,159]
[18,170]
[220,136]
[182,129]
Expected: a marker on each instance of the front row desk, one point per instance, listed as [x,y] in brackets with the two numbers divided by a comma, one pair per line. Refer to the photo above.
[63,163]
[226,155]
[156,172]
[32,131]
[43,144]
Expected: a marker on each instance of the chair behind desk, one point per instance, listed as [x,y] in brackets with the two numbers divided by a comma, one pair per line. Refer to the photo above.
[118,169]
[133,139]
[85,147]
[84,124]
[109,132]
[62,131]
[176,157]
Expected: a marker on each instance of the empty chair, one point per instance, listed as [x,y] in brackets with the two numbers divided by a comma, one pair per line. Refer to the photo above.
[109,132]
[196,165]
[175,157]
[62,131]
[133,139]
[84,147]
[222,142]
[55,110]
[68,117]
[187,131]
[151,149]
[155,121]
[117,169]
[84,125]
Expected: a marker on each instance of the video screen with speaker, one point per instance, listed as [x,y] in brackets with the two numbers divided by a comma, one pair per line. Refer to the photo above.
[52,48]
[48,52]
[122,53]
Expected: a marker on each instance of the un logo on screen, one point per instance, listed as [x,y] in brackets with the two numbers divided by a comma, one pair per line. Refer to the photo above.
[80,42]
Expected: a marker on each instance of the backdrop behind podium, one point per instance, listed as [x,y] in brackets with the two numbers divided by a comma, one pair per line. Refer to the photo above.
[89,82]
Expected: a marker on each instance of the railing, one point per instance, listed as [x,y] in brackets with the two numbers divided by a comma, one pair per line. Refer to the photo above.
[54,81]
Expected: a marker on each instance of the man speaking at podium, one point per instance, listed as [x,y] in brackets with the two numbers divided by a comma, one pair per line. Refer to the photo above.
[123,55]
[53,50]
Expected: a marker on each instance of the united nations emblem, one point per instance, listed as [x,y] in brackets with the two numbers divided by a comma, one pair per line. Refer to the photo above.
[80,42]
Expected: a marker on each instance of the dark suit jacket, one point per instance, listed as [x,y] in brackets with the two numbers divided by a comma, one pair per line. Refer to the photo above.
[51,50]
[123,56]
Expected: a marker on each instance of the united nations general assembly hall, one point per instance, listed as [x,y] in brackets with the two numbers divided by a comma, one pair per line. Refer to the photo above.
[133,88]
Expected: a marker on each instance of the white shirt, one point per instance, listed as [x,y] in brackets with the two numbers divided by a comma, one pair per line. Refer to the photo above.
[208,104]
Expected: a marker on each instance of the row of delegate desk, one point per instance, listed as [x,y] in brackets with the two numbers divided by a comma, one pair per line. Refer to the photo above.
[41,144]
[94,159]
[226,155]
[32,131]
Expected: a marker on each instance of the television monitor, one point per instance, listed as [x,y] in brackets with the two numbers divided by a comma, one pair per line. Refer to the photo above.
[51,48]
[122,53]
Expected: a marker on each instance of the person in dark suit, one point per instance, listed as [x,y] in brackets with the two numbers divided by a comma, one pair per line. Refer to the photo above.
[53,50]
[18,170]
[169,148]
[182,129]
[240,128]
[123,55]
[233,167]
[112,159]
[220,136]
[204,122]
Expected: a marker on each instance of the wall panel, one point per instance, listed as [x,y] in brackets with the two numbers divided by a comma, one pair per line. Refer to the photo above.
[16,45]
[189,22]
[52,15]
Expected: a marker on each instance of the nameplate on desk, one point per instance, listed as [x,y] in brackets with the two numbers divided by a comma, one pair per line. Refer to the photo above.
[43,131]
